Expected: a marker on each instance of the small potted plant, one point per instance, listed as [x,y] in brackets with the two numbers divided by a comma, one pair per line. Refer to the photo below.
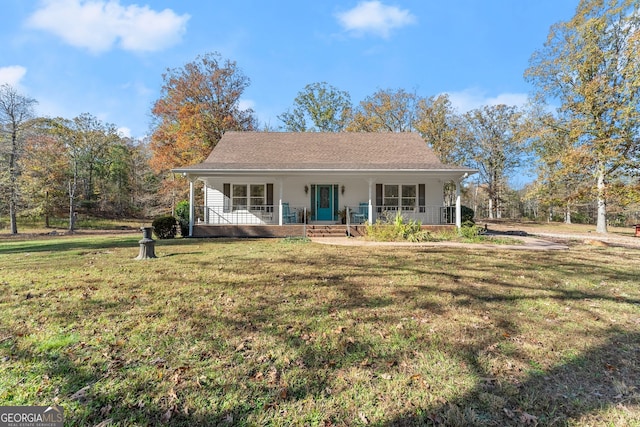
[342,215]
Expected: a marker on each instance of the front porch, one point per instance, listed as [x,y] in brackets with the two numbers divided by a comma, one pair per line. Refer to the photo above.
[350,200]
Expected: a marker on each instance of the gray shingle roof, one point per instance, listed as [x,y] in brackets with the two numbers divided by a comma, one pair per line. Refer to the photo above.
[253,151]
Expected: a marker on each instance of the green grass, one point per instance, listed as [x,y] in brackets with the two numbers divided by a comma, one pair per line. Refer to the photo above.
[266,332]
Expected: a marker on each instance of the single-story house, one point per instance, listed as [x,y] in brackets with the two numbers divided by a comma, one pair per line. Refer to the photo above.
[278,179]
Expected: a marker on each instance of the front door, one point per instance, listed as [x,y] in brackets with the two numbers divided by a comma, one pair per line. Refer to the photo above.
[324,202]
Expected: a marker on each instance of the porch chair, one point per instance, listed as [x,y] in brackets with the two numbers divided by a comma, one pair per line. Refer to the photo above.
[288,217]
[362,214]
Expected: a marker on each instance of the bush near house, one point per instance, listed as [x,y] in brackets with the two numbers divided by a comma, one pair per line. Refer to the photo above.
[165,227]
[182,214]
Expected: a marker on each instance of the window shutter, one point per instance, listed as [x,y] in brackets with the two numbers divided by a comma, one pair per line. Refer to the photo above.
[313,202]
[378,194]
[421,197]
[336,206]
[226,191]
[269,197]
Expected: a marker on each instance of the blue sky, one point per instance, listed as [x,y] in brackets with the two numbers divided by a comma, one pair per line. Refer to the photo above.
[107,57]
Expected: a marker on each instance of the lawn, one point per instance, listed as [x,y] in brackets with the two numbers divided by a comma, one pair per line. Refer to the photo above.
[283,332]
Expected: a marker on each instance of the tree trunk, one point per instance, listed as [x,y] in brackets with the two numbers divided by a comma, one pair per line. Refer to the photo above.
[490,207]
[46,209]
[13,196]
[12,215]
[601,222]
[72,206]
[567,213]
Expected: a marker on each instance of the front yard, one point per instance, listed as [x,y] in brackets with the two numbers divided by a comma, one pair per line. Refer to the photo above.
[273,332]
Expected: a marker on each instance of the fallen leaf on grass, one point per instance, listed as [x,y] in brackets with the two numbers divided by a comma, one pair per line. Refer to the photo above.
[81,395]
[105,410]
[105,423]
[528,418]
[363,418]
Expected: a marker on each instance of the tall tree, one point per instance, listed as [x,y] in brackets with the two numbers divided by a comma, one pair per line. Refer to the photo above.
[318,107]
[591,65]
[45,167]
[87,142]
[198,104]
[16,111]
[496,148]
[561,169]
[386,111]
[442,128]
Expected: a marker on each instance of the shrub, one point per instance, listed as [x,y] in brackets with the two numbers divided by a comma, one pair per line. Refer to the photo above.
[469,230]
[165,227]
[182,214]
[397,229]
[466,214]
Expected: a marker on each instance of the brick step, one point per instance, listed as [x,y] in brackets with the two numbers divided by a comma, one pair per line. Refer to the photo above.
[333,230]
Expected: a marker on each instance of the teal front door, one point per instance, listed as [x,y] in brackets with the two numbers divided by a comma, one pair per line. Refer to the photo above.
[324,202]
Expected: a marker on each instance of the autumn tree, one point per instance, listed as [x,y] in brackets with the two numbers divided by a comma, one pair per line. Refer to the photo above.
[386,111]
[87,142]
[496,148]
[562,171]
[442,128]
[319,107]
[590,65]
[45,168]
[199,103]
[16,111]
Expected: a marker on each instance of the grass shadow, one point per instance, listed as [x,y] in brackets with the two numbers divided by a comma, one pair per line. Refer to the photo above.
[602,377]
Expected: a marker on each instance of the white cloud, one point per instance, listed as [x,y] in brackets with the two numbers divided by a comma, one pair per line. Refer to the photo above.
[375,18]
[12,75]
[124,132]
[98,24]
[470,99]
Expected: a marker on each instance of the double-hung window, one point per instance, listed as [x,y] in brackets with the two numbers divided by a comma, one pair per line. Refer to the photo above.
[248,196]
[239,197]
[399,196]
[391,195]
[256,197]
[408,197]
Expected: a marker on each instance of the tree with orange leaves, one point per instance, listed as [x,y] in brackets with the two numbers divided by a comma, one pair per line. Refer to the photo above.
[198,104]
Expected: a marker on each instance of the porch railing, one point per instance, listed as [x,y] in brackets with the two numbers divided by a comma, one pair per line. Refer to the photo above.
[226,215]
[269,214]
[427,215]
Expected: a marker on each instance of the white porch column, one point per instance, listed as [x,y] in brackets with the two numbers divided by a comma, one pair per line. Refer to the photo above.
[370,216]
[280,202]
[458,208]
[192,208]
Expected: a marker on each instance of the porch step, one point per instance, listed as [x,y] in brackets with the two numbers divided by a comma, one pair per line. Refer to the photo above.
[334,230]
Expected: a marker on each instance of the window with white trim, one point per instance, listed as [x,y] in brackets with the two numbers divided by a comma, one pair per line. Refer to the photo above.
[408,197]
[390,195]
[248,196]
[400,196]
